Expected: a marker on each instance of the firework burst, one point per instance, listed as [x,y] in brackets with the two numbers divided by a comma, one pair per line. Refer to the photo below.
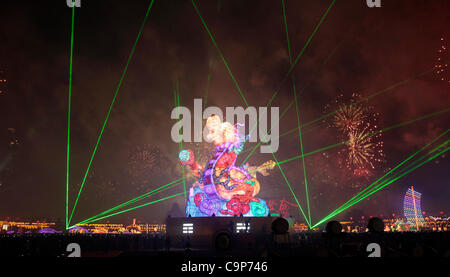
[360,148]
[441,66]
[349,118]
[143,160]
[363,152]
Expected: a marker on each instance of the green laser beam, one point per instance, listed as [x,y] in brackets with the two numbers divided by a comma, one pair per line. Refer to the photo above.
[139,198]
[112,210]
[369,134]
[136,199]
[370,96]
[292,191]
[311,37]
[302,51]
[219,51]
[373,185]
[392,170]
[276,92]
[298,115]
[407,172]
[292,102]
[68,118]
[226,64]
[256,146]
[130,209]
[373,188]
[283,5]
[290,70]
[364,195]
[231,74]
[406,167]
[390,182]
[97,216]
[301,150]
[110,107]
[377,93]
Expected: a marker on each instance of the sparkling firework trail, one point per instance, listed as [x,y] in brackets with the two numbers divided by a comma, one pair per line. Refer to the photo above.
[143,160]
[349,118]
[144,167]
[441,65]
[354,121]
[363,153]
[360,148]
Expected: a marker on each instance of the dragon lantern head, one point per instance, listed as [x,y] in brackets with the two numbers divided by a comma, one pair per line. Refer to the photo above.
[220,132]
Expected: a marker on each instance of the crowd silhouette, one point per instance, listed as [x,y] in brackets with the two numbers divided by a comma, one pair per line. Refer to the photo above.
[316,244]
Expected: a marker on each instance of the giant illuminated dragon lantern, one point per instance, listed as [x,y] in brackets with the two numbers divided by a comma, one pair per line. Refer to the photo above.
[222,188]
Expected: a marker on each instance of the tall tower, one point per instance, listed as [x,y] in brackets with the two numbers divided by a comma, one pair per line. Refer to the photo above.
[412,208]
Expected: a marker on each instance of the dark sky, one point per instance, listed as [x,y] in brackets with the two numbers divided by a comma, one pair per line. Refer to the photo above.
[371,49]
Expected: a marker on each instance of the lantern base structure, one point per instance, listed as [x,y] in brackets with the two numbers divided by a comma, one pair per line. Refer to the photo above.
[222,232]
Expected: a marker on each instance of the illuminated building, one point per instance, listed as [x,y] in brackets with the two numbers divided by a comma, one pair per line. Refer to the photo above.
[152,228]
[346,226]
[437,223]
[412,208]
[146,228]
[121,228]
[49,227]
[100,231]
[103,228]
[78,230]
[133,228]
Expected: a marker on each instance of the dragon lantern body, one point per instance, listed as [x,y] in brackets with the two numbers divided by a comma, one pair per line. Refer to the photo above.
[222,188]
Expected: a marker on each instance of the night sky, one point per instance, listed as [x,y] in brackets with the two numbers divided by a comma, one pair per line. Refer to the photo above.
[355,50]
